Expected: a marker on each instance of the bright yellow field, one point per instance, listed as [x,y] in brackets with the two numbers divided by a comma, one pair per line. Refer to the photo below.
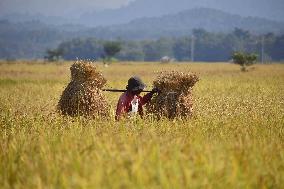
[234,140]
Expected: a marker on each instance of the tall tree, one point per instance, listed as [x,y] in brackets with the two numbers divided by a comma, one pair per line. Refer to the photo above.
[111,48]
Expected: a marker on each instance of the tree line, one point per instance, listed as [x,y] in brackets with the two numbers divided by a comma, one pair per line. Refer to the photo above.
[200,46]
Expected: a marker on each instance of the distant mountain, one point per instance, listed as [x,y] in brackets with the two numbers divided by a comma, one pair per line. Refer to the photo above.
[183,23]
[269,9]
[272,9]
[31,39]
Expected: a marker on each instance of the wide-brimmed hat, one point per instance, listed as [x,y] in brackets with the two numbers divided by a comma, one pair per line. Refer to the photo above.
[135,84]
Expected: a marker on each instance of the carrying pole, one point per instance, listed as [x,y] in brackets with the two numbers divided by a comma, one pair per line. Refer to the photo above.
[119,90]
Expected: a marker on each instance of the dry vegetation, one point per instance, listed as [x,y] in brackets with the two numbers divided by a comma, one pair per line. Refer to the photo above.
[83,95]
[235,138]
[175,97]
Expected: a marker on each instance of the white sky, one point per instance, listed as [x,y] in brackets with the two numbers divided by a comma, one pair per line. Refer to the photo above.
[57,7]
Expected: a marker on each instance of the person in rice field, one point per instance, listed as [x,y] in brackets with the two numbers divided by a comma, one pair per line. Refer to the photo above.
[130,102]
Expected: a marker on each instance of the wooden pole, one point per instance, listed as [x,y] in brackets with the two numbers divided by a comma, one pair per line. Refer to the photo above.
[120,91]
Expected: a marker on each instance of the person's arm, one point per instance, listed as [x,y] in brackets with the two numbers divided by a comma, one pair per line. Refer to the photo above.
[144,100]
[147,98]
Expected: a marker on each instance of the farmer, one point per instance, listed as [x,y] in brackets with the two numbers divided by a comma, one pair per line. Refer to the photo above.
[130,102]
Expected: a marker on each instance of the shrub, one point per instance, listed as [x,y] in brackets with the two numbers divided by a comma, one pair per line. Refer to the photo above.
[244,59]
[111,49]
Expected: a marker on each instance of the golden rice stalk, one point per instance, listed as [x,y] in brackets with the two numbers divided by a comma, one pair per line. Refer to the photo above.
[175,81]
[83,95]
[82,71]
[175,98]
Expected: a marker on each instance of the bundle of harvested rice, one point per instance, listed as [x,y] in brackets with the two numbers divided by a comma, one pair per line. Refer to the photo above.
[83,95]
[82,71]
[175,97]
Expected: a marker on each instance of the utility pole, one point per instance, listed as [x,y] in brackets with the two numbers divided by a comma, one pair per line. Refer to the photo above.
[192,48]
[262,49]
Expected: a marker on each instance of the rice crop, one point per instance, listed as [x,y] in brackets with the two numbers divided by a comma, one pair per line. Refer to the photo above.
[235,138]
[175,97]
[83,95]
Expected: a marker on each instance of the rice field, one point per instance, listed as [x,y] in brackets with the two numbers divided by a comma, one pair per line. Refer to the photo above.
[235,138]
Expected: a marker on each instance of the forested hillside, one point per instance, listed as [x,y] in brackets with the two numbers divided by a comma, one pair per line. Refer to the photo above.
[204,46]
[183,23]
[213,31]
[31,39]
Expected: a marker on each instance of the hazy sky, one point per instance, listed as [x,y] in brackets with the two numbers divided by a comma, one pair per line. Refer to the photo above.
[57,7]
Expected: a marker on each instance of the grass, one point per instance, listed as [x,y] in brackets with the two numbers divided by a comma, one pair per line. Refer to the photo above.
[235,138]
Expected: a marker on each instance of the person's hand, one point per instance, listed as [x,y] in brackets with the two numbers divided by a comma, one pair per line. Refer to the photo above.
[155,90]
